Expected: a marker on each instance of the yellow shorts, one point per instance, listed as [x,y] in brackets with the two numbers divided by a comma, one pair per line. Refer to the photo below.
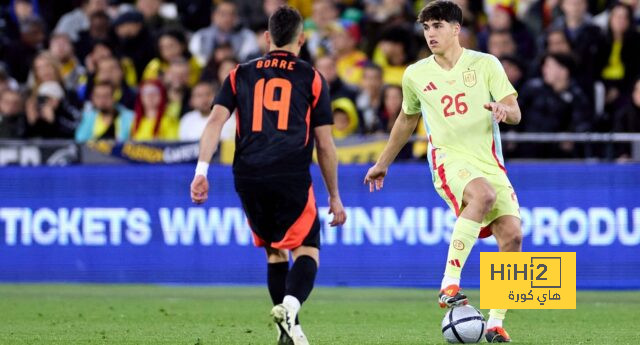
[451,177]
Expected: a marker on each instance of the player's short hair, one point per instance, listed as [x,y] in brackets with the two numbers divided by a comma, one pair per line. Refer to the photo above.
[284,24]
[444,10]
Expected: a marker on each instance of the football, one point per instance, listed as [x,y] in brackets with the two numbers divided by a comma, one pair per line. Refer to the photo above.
[464,324]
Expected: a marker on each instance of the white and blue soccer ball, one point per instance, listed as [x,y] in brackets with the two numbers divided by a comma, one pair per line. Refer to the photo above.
[463,324]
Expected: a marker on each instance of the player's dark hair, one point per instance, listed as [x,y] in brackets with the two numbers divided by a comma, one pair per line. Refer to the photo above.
[284,25]
[445,10]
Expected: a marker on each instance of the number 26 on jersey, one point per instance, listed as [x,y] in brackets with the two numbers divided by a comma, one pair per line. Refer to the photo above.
[456,102]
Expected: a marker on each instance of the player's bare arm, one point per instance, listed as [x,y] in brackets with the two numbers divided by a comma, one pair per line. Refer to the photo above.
[506,110]
[208,146]
[328,161]
[400,134]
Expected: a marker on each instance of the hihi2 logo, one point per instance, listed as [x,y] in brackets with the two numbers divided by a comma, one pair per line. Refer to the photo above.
[527,280]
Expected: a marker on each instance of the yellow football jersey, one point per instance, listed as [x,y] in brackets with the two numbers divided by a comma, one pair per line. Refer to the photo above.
[451,103]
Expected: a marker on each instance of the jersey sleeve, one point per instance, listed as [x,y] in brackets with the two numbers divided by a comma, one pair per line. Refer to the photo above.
[410,101]
[321,113]
[499,85]
[226,96]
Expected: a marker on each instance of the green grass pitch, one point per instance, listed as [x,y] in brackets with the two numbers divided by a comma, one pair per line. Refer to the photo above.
[125,314]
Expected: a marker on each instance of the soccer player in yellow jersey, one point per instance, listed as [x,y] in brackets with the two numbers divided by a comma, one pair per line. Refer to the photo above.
[462,96]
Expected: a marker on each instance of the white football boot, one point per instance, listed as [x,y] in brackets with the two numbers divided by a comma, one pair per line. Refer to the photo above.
[298,336]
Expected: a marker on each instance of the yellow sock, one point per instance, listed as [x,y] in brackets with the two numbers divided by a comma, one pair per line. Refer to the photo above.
[495,317]
[464,236]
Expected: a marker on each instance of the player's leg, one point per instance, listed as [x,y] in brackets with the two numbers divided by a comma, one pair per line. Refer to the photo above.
[302,277]
[277,270]
[299,285]
[508,234]
[297,213]
[259,215]
[477,200]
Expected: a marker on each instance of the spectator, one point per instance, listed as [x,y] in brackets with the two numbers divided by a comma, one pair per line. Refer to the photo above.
[176,80]
[47,68]
[557,42]
[515,70]
[391,106]
[133,40]
[194,14]
[326,65]
[554,103]
[317,28]
[621,55]
[20,54]
[393,53]
[304,6]
[627,119]
[78,20]
[602,19]
[255,17]
[49,115]
[192,123]
[99,51]
[503,18]
[221,53]
[224,69]
[223,29]
[12,118]
[388,12]
[344,39]
[155,118]
[369,99]
[12,16]
[501,44]
[109,70]
[586,39]
[70,68]
[540,15]
[467,39]
[6,82]
[473,18]
[516,73]
[99,24]
[345,118]
[153,20]
[105,119]
[263,46]
[172,45]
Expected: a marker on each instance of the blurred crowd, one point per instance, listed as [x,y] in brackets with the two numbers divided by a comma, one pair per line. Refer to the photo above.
[148,69]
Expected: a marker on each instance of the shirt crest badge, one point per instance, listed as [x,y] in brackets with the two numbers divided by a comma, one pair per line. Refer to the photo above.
[469,78]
